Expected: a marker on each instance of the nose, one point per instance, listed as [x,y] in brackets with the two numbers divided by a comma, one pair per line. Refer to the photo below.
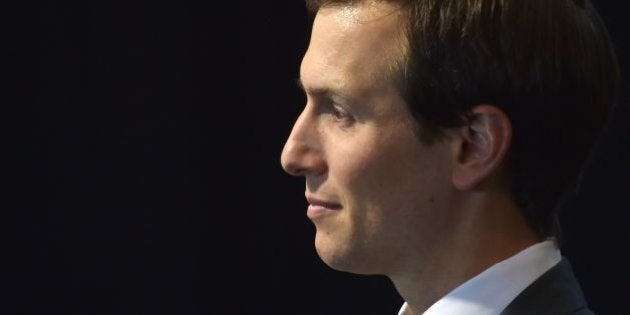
[302,154]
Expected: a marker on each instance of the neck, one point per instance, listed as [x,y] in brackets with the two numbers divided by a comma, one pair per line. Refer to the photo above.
[486,232]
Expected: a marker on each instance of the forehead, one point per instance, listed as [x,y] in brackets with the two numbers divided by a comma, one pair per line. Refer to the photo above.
[353,46]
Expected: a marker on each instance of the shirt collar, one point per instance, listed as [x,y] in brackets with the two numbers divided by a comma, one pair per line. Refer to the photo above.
[492,290]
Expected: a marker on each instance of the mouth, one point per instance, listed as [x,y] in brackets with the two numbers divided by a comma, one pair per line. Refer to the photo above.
[318,208]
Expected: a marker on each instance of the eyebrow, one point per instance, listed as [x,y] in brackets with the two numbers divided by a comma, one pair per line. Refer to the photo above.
[322,91]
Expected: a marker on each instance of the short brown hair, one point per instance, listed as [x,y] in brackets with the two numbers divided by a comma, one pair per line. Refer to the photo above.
[548,64]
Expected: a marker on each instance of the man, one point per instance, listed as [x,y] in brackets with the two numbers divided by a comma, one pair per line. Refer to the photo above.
[438,138]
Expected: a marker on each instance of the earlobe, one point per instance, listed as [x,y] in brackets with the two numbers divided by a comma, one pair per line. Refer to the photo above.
[485,141]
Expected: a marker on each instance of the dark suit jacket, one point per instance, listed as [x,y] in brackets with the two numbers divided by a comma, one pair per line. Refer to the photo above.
[556,292]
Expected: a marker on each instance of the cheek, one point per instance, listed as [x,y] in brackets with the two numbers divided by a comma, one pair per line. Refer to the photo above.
[374,172]
[395,175]
[359,164]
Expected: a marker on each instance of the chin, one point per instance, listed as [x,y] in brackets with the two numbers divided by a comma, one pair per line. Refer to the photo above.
[345,256]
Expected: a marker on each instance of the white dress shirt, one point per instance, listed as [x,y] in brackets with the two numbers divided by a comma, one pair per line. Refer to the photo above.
[491,291]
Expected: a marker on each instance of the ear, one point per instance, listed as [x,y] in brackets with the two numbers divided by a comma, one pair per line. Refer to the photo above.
[484,144]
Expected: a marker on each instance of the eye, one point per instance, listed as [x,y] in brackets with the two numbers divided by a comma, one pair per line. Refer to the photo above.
[341,115]
[338,112]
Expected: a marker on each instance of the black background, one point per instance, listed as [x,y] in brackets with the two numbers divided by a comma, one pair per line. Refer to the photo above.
[151,134]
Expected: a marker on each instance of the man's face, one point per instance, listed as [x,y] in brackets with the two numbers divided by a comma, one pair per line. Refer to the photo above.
[376,192]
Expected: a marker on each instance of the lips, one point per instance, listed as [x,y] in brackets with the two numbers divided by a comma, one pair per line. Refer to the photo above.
[319,208]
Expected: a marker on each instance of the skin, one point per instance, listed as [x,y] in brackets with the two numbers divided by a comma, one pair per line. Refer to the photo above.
[383,202]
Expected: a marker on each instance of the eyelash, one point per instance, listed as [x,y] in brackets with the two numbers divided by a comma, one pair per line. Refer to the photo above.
[340,114]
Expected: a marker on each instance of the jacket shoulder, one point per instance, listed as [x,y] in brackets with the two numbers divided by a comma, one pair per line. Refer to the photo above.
[556,292]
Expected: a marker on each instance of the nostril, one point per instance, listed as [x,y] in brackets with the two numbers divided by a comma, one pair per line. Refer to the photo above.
[290,168]
[294,167]
[299,159]
[297,171]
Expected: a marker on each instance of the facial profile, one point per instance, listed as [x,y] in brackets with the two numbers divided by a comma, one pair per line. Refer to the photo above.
[373,187]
